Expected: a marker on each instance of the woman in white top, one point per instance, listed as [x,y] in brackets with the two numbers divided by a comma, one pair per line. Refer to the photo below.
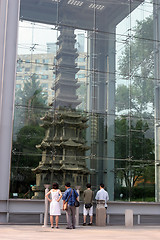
[56,195]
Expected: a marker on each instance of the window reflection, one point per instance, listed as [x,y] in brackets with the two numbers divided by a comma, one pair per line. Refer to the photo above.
[112,67]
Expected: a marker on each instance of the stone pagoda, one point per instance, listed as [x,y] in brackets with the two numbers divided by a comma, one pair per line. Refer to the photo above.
[64,146]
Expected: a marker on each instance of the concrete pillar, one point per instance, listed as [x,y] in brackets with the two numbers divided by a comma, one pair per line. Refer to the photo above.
[139,219]
[129,218]
[101,50]
[3,27]
[77,208]
[9,18]
[110,151]
[41,218]
[100,213]
[46,206]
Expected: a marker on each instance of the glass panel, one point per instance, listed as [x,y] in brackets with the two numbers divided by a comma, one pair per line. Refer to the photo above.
[86,74]
[134,125]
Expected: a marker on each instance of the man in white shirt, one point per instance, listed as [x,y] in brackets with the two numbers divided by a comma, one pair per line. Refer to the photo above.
[102,195]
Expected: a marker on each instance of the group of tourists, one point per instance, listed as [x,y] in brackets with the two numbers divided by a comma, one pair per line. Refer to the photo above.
[70,199]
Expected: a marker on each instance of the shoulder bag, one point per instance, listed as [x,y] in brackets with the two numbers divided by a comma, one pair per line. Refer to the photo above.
[65,206]
[77,203]
[88,205]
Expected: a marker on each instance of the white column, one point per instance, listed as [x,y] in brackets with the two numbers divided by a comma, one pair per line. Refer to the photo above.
[77,208]
[46,206]
[9,17]
[3,25]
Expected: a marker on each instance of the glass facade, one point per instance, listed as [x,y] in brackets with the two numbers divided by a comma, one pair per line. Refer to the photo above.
[84,98]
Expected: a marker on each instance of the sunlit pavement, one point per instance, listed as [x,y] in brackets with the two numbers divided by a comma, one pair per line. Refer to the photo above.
[21,232]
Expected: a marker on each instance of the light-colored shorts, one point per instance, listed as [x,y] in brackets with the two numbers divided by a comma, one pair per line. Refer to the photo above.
[88,211]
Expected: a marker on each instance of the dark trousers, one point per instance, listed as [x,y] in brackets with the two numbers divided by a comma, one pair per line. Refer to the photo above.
[70,215]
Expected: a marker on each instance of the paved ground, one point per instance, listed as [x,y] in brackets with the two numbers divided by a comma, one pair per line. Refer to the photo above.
[21,232]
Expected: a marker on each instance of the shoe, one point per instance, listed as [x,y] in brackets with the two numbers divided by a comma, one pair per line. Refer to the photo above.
[89,224]
[57,227]
[68,228]
[52,227]
[74,228]
[84,224]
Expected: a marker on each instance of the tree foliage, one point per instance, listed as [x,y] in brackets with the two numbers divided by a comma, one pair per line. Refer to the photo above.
[25,157]
[30,102]
[29,107]
[134,152]
[136,65]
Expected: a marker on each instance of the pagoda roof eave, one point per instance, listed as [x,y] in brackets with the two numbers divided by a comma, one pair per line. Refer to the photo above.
[66,102]
[47,118]
[62,122]
[75,169]
[66,83]
[70,143]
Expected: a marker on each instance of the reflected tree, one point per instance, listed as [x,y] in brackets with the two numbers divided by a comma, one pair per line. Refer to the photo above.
[25,156]
[29,103]
[141,162]
[29,107]
[136,65]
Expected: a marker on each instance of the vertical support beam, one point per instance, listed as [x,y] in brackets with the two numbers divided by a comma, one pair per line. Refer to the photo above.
[46,206]
[88,99]
[109,164]
[3,27]
[156,23]
[89,74]
[77,208]
[102,43]
[108,219]
[9,17]
[139,219]
[41,218]
[91,104]
[96,101]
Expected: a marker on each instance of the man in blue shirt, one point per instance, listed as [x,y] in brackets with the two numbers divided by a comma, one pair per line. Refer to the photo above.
[70,196]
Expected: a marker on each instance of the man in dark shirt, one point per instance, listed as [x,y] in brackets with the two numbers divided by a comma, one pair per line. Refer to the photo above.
[88,198]
[70,196]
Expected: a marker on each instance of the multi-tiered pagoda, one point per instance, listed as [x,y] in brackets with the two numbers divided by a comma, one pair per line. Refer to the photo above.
[64,146]
[66,85]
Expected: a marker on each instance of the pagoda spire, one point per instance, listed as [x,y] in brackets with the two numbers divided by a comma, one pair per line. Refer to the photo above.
[66,83]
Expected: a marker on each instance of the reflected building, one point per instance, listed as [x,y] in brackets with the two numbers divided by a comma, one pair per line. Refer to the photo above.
[51,48]
[80,42]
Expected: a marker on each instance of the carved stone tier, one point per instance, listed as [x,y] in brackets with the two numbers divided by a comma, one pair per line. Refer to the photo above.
[63,151]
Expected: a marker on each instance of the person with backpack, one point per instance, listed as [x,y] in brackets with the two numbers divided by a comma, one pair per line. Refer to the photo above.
[88,205]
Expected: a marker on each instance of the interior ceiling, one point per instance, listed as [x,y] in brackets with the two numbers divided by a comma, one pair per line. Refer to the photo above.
[79,13]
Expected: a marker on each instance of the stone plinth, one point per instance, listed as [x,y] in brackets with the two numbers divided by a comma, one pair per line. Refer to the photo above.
[129,218]
[100,213]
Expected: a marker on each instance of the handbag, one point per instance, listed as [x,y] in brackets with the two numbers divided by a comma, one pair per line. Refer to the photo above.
[88,205]
[76,203]
[65,206]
